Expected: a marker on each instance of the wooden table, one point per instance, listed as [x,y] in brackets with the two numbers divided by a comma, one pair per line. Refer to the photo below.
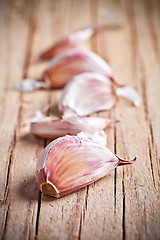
[123,205]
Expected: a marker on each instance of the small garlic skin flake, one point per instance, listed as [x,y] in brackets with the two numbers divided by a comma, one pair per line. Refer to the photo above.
[70,163]
[29,85]
[87,93]
[40,116]
[97,136]
[70,63]
[130,94]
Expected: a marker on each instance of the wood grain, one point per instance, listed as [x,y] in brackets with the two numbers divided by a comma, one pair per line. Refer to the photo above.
[13,26]
[123,205]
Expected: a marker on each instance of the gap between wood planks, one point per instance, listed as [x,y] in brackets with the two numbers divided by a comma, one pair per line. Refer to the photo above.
[6,192]
[11,149]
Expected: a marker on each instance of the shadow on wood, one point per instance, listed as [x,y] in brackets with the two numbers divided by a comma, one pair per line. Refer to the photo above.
[55,111]
[29,138]
[28,189]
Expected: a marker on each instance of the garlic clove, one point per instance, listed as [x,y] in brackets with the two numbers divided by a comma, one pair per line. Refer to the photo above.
[70,163]
[90,122]
[87,93]
[54,128]
[73,39]
[68,42]
[66,65]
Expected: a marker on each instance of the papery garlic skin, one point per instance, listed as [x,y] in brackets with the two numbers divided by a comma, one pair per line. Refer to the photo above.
[87,93]
[130,94]
[28,85]
[97,136]
[70,163]
[40,116]
[66,65]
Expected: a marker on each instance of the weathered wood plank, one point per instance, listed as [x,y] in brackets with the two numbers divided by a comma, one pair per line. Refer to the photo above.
[9,61]
[13,26]
[151,70]
[20,222]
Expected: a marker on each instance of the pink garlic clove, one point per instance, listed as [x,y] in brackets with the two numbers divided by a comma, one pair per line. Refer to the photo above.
[87,93]
[70,163]
[72,40]
[66,65]
[54,128]
[65,43]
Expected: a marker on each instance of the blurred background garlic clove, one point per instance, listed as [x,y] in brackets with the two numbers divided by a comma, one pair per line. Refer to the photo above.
[70,63]
[74,39]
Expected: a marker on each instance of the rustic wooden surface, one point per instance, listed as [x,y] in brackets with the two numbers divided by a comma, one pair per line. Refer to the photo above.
[123,205]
